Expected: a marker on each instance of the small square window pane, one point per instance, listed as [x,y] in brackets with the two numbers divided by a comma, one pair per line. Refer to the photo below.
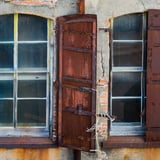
[6,56]
[6,28]
[31,113]
[6,113]
[6,88]
[32,28]
[126,110]
[127,54]
[126,84]
[32,88]
[32,55]
[128,27]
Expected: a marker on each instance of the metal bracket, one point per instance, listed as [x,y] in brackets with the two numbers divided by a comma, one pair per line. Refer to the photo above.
[104,29]
[107,115]
[103,115]
[93,127]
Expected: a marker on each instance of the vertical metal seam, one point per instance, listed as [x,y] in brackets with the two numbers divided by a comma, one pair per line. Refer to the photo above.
[60,38]
[15,66]
[50,77]
[111,64]
[93,108]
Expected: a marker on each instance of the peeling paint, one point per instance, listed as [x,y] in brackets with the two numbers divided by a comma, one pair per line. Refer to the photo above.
[30,154]
[134,154]
[36,154]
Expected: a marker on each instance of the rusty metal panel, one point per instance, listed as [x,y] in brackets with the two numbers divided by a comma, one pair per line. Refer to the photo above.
[81,7]
[153,55]
[153,19]
[74,133]
[77,77]
[153,64]
[74,97]
[153,134]
[153,104]
[77,64]
[153,77]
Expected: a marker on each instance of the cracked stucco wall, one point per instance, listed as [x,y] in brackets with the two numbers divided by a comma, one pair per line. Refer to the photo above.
[47,8]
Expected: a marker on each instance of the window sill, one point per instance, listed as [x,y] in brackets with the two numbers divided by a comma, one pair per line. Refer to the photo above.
[128,142]
[26,142]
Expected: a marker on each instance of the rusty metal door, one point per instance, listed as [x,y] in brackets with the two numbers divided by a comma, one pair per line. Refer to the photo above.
[77,78]
[153,77]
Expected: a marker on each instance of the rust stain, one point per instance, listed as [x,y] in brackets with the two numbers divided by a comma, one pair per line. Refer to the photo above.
[151,154]
[126,157]
[134,154]
[81,6]
[30,154]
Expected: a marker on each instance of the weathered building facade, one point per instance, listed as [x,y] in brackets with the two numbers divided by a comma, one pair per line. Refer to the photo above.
[110,47]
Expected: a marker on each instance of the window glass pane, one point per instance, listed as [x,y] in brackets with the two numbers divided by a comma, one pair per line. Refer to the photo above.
[31,113]
[6,55]
[6,113]
[126,84]
[32,55]
[6,89]
[127,54]
[126,110]
[6,28]
[128,27]
[31,88]
[32,28]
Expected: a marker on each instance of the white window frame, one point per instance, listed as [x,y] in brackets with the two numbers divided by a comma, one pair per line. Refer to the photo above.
[15,75]
[129,128]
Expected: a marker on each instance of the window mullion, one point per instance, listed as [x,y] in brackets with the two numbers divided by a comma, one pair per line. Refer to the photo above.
[49,78]
[143,89]
[15,67]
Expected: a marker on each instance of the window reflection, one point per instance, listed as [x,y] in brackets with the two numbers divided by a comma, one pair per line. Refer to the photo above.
[128,27]
[32,28]
[32,55]
[6,56]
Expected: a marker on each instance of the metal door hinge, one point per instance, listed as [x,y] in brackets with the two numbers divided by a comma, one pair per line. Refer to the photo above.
[91,129]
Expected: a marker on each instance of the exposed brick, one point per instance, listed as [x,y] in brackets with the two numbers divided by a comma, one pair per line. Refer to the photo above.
[104,98]
[102,129]
[103,81]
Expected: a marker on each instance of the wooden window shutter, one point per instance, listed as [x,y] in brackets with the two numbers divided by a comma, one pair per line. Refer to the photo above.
[76,36]
[153,77]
